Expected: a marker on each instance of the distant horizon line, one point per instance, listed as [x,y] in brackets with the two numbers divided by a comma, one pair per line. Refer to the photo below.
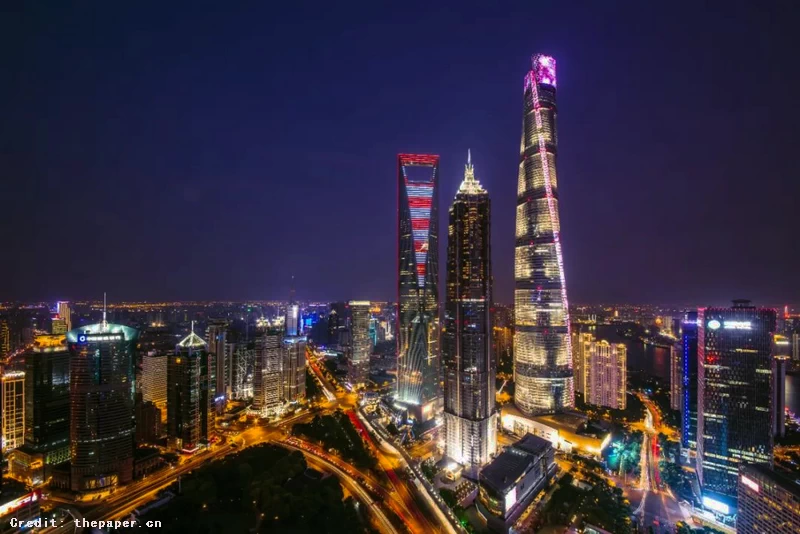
[12,304]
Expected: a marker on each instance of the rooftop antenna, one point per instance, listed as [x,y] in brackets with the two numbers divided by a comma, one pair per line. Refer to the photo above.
[193,327]
[105,322]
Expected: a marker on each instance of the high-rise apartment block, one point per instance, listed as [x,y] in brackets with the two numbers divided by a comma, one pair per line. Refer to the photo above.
[581,350]
[607,376]
[360,345]
[675,377]
[12,394]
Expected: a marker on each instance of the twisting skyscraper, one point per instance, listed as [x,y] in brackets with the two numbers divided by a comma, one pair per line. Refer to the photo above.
[470,366]
[543,351]
[418,288]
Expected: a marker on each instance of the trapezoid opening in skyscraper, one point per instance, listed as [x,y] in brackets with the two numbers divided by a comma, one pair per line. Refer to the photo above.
[418,371]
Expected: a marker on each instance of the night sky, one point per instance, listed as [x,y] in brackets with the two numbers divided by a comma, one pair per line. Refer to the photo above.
[200,151]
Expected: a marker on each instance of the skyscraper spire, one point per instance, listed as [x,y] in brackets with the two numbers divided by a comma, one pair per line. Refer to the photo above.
[470,185]
[105,322]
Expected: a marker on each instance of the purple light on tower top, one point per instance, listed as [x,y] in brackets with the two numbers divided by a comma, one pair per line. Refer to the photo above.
[545,69]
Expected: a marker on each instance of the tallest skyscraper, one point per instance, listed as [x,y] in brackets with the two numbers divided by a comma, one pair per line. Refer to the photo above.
[543,351]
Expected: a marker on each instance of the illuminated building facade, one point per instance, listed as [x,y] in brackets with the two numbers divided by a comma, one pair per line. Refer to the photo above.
[607,375]
[418,371]
[360,344]
[582,348]
[542,346]
[101,392]
[154,379]
[268,370]
[64,313]
[5,339]
[190,407]
[781,358]
[294,356]
[469,364]
[216,337]
[734,412]
[768,502]
[12,393]
[675,377]
[689,378]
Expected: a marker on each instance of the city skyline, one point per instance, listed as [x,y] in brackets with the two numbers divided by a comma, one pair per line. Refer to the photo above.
[313,150]
[677,174]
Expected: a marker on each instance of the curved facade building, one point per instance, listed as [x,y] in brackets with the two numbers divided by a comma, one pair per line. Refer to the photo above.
[101,391]
[418,290]
[542,346]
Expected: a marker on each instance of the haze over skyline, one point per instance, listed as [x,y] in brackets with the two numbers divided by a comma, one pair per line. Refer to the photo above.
[168,153]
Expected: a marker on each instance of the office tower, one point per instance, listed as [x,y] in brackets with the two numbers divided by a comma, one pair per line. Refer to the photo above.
[64,313]
[689,386]
[769,502]
[294,356]
[734,394]
[189,406]
[293,325]
[796,346]
[268,373]
[581,349]
[418,372]
[542,344]
[675,377]
[607,376]
[13,405]
[781,358]
[243,357]
[5,339]
[470,367]
[47,399]
[361,347]
[215,337]
[101,393]
[58,326]
[154,379]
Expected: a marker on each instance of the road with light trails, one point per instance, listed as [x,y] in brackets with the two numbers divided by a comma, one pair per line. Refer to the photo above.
[444,520]
[347,478]
[657,508]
